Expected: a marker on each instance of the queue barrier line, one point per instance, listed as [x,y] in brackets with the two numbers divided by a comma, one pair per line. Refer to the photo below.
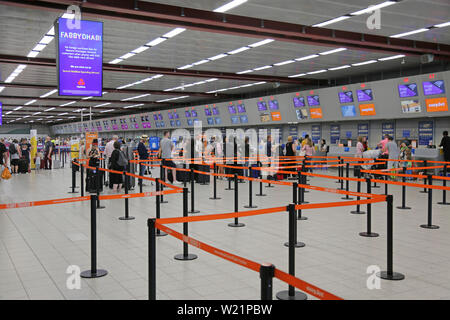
[338,204]
[43,202]
[344,192]
[332,177]
[137,195]
[169,185]
[418,176]
[415,185]
[440,177]
[213,174]
[249,264]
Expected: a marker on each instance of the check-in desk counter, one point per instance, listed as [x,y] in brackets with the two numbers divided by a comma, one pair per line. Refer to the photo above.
[429,155]
[336,151]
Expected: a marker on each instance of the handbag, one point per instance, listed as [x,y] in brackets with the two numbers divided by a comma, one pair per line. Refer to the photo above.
[6,174]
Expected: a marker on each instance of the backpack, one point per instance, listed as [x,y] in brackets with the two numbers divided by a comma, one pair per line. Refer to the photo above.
[12,149]
[122,161]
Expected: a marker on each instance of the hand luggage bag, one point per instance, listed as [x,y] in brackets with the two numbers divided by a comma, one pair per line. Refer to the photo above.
[203,178]
[23,166]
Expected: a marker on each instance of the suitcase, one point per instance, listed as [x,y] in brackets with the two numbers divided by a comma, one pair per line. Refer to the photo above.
[202,178]
[91,182]
[254,173]
[183,176]
[23,166]
[279,176]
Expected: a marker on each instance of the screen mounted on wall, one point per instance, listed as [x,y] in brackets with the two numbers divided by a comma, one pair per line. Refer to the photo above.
[262,106]
[299,102]
[313,100]
[407,90]
[241,108]
[365,95]
[273,105]
[433,87]
[345,97]
[232,109]
[348,111]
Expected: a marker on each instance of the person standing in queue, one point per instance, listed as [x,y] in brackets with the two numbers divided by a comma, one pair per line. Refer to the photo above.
[165,153]
[291,150]
[15,155]
[48,151]
[445,144]
[308,149]
[109,148]
[116,179]
[25,148]
[143,154]
[393,153]
[359,147]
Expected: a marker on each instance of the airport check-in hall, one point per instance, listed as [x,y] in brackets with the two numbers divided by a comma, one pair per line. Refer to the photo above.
[236,150]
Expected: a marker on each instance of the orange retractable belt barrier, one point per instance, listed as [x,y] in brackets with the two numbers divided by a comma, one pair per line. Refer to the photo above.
[418,176]
[137,195]
[350,193]
[42,202]
[331,177]
[416,185]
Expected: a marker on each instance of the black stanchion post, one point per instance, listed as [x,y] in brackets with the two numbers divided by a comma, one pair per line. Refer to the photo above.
[385,186]
[300,195]
[390,274]
[214,197]
[74,179]
[358,211]
[192,193]
[140,179]
[98,182]
[236,223]
[294,201]
[347,182]
[151,259]
[404,207]
[369,232]
[260,194]
[161,187]
[185,255]
[266,274]
[342,174]
[82,179]
[93,272]
[250,195]
[127,216]
[303,190]
[291,293]
[339,170]
[429,224]
[444,184]
[159,233]
[425,164]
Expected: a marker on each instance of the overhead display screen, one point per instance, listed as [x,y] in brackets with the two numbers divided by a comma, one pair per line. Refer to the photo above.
[234,119]
[210,121]
[265,117]
[215,111]
[241,108]
[273,105]
[194,113]
[172,123]
[302,113]
[365,95]
[262,106]
[79,58]
[207,112]
[433,87]
[367,109]
[217,120]
[175,115]
[436,104]
[313,101]
[276,116]
[178,123]
[155,117]
[411,106]
[348,111]
[316,113]
[345,97]
[187,113]
[299,102]
[244,118]
[189,122]
[407,90]
[232,109]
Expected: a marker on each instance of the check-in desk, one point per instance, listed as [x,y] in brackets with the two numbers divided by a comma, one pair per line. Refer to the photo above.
[429,155]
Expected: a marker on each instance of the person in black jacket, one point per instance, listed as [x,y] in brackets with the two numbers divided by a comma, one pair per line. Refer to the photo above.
[116,179]
[445,144]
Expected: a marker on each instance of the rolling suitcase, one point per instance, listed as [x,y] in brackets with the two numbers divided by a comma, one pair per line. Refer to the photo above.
[183,176]
[23,166]
[91,182]
[203,178]
[254,173]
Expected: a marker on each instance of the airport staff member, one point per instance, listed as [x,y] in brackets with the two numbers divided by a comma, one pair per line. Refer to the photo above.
[445,144]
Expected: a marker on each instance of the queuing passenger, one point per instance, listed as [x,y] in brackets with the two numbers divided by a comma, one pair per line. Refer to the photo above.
[143,154]
[365,143]
[393,152]
[94,154]
[109,148]
[165,153]
[25,148]
[48,151]
[15,155]
[323,145]
[382,146]
[3,153]
[116,179]
[308,148]
[359,148]
[445,144]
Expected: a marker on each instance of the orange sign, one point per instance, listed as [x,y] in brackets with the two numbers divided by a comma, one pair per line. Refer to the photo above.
[90,136]
[436,104]
[367,109]
[276,116]
[316,113]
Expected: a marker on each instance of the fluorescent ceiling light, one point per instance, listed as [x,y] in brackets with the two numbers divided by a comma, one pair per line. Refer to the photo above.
[332,51]
[174,32]
[30,102]
[318,71]
[200,62]
[339,68]
[17,108]
[25,117]
[69,117]
[103,104]
[230,5]
[373,8]
[247,85]
[219,56]
[46,40]
[49,117]
[186,67]
[68,103]
[87,98]
[134,105]
[1,89]
[50,109]
[36,113]
[125,86]
[211,80]
[33,54]
[20,67]
[260,43]
[441,25]
[136,97]
[325,23]
[297,75]
[399,35]
[392,57]
[62,114]
[307,57]
[156,42]
[258,83]
[157,76]
[140,49]
[48,93]
[363,63]
[127,55]
[68,16]
[39,47]
[239,50]
[262,68]
[51,32]
[10,79]
[8,112]
[284,62]
[115,61]
[245,71]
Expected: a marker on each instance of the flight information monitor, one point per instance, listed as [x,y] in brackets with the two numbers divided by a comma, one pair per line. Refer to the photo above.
[365,95]
[313,100]
[348,111]
[262,106]
[407,90]
[433,87]
[273,105]
[346,97]
[299,102]
[241,108]
[232,109]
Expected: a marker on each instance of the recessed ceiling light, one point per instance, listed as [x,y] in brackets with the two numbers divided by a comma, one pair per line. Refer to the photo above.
[392,57]
[156,42]
[200,62]
[400,35]
[307,57]
[68,103]
[262,68]
[127,55]
[260,43]
[174,32]
[284,63]
[239,50]
[50,109]
[219,56]
[363,63]
[373,8]
[297,75]
[245,71]
[30,102]
[39,47]
[441,25]
[115,61]
[33,54]
[140,49]
[230,5]
[325,23]
[318,71]
[186,67]
[103,104]
[339,68]
[332,51]
[48,93]
[46,40]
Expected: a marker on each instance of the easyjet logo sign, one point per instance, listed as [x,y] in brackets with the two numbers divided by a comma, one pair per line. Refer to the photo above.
[436,104]
[367,109]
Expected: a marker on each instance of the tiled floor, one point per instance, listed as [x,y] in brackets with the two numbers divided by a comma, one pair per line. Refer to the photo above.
[38,244]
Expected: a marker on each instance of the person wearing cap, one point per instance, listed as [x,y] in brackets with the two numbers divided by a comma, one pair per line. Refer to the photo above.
[143,154]
[94,154]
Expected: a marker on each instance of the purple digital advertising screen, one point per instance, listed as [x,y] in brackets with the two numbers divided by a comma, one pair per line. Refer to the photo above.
[407,90]
[187,113]
[273,105]
[232,109]
[160,116]
[215,111]
[262,106]
[365,95]
[194,113]
[346,97]
[299,102]
[175,115]
[433,87]
[170,115]
[313,101]
[155,117]
[79,58]
[1,112]
[207,112]
[241,108]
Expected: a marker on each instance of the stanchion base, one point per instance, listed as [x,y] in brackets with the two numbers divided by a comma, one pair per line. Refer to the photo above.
[305,191]
[263,195]
[375,187]
[75,187]
[344,198]
[183,257]
[236,225]
[126,218]
[73,192]
[228,189]
[393,276]
[303,202]
[302,218]
[160,234]
[270,186]
[90,274]
[164,202]
[422,191]
[431,226]
[443,203]
[369,235]
[357,212]
[101,207]
[250,207]
[298,244]
[194,211]
[284,295]
[212,198]
[404,208]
